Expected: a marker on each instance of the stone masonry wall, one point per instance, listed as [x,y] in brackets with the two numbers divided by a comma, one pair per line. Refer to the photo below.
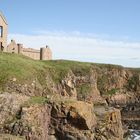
[32,53]
[42,54]
[4,28]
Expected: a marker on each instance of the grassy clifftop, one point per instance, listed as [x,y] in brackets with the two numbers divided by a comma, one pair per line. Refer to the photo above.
[26,69]
[20,67]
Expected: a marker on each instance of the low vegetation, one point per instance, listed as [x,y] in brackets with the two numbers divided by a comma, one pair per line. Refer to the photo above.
[24,69]
[10,137]
[83,91]
[35,100]
[112,91]
[133,82]
[102,81]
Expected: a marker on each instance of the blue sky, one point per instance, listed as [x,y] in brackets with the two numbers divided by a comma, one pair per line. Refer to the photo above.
[103,31]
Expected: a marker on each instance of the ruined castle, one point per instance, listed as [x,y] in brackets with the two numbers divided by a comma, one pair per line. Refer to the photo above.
[42,54]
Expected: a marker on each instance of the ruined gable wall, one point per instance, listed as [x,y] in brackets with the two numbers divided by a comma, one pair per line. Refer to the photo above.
[12,47]
[3,39]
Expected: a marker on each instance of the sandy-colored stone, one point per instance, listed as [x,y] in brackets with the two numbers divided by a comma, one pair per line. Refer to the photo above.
[80,109]
[42,54]
[3,32]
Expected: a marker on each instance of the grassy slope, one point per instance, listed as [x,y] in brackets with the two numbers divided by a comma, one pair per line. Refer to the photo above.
[26,69]
[15,66]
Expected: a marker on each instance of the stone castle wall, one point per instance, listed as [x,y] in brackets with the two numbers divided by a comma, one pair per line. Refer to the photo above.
[42,54]
[34,54]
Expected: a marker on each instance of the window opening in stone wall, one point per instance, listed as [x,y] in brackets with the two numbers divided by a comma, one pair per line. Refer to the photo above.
[1,31]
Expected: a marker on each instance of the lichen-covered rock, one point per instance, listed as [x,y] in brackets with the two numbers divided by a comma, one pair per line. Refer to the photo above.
[68,86]
[16,118]
[36,118]
[119,99]
[109,123]
[81,113]
[63,119]
[10,104]
[10,137]
[72,120]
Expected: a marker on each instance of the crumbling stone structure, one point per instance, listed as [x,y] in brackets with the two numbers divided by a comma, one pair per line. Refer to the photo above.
[3,32]
[42,54]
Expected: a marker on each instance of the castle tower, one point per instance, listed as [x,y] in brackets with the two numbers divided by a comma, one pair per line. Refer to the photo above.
[45,53]
[20,47]
[3,32]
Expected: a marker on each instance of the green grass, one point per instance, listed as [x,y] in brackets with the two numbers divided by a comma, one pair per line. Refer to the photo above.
[26,70]
[38,100]
[83,91]
[35,100]
[112,91]
[133,82]
[60,68]
[16,66]
[10,137]
[101,83]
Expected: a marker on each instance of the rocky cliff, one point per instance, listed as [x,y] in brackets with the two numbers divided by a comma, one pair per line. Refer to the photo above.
[65,100]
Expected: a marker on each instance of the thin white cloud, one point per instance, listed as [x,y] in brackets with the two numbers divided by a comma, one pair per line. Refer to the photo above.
[84,47]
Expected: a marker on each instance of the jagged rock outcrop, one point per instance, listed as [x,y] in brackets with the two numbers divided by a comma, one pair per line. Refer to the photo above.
[67,100]
[9,106]
[38,118]
[19,117]
[72,119]
[109,123]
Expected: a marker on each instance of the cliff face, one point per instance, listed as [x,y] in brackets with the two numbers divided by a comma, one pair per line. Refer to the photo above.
[38,118]
[65,100]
